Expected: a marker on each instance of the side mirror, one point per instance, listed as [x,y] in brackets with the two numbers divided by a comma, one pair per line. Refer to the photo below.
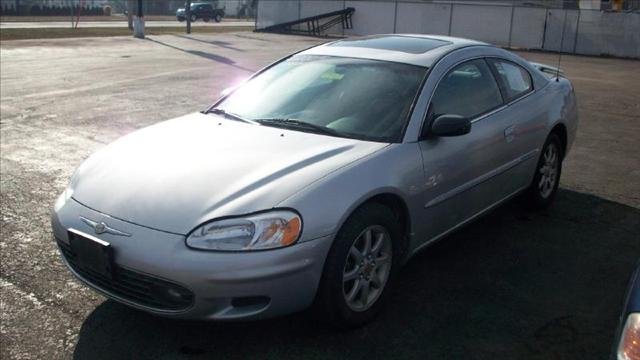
[450,125]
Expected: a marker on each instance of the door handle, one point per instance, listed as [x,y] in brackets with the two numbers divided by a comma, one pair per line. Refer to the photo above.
[510,133]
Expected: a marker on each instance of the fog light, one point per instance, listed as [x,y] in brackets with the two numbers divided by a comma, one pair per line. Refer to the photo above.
[171,294]
[250,302]
[174,294]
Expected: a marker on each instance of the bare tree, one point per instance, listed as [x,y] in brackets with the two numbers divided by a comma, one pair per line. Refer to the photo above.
[70,13]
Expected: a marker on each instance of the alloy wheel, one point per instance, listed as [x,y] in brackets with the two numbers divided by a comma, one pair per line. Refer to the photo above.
[548,171]
[367,268]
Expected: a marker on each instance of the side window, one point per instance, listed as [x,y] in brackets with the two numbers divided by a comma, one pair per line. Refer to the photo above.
[468,90]
[516,81]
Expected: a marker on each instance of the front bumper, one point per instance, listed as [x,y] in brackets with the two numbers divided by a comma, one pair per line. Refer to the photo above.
[224,286]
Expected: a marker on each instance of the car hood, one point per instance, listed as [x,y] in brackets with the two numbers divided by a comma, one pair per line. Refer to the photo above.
[177,174]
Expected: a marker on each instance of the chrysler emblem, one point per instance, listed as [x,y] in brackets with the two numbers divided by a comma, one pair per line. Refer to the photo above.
[102,228]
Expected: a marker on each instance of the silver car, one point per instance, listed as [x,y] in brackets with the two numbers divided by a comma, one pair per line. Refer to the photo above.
[314,181]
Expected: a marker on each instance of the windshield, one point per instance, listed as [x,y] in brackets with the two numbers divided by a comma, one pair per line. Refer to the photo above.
[194,6]
[358,98]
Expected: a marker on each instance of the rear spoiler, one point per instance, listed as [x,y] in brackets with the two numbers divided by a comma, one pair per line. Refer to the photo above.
[548,69]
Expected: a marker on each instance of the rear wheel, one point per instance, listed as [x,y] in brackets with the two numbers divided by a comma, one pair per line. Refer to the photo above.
[359,267]
[545,183]
[193,18]
[218,18]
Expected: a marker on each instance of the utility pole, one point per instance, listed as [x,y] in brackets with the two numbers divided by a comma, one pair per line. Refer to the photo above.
[187,11]
[138,26]
[129,4]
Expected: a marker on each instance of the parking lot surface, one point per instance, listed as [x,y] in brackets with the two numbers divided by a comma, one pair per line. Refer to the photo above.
[513,285]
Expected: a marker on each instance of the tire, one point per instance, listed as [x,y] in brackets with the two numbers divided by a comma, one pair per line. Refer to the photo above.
[546,179]
[218,18]
[372,274]
[194,18]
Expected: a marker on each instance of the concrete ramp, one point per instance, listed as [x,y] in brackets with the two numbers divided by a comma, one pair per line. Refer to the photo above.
[316,25]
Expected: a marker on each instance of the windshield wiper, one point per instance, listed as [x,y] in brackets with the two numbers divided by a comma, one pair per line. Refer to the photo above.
[298,124]
[229,115]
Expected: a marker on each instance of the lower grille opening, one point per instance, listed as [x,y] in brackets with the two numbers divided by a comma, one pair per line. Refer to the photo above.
[250,301]
[133,286]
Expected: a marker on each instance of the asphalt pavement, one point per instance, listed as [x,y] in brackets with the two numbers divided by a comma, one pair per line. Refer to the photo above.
[513,285]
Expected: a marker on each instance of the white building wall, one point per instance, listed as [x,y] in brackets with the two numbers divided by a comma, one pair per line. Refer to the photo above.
[589,32]
[277,11]
[311,8]
[605,33]
[423,18]
[372,17]
[525,29]
[485,23]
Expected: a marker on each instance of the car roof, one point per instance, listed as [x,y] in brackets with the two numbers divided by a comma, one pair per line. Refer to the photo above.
[414,49]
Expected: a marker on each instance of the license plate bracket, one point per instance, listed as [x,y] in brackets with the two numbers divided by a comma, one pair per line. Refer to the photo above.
[92,254]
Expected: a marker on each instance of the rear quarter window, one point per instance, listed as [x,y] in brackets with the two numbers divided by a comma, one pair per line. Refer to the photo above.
[515,81]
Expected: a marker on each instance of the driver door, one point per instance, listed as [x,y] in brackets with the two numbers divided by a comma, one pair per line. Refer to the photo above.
[465,174]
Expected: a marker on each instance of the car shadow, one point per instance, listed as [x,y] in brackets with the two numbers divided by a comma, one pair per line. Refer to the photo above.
[512,285]
[209,56]
[222,44]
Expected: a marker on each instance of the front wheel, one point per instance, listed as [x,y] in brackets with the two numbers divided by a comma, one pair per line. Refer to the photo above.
[218,18]
[359,267]
[545,182]
[193,18]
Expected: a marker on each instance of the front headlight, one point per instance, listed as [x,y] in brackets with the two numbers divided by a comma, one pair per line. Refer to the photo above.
[629,348]
[261,231]
[63,198]
[68,192]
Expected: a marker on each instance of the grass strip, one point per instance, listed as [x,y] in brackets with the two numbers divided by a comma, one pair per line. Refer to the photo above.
[56,33]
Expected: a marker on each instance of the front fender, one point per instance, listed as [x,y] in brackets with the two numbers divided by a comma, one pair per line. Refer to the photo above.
[326,204]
